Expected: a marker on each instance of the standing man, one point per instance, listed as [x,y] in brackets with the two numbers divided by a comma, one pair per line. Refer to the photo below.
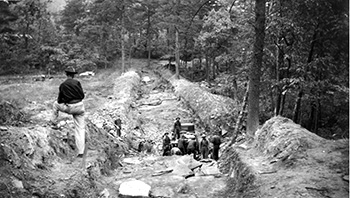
[177,128]
[166,144]
[216,140]
[118,125]
[181,144]
[204,147]
[192,147]
[70,100]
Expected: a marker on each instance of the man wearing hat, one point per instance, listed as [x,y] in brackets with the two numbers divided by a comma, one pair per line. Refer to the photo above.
[204,147]
[192,147]
[166,144]
[177,128]
[70,100]
[216,140]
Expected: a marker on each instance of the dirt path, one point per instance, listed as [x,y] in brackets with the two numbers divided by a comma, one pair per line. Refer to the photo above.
[156,110]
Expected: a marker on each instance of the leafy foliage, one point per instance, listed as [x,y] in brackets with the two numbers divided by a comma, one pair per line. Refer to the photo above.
[305,66]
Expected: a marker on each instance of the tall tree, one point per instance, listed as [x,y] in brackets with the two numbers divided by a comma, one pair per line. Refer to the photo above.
[122,33]
[255,70]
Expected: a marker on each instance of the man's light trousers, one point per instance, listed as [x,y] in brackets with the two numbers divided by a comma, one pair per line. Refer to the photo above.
[77,110]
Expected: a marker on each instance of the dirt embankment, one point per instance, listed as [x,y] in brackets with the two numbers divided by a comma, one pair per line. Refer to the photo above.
[211,109]
[286,160]
[37,161]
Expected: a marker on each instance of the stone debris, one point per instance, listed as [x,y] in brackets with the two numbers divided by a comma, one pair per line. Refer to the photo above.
[189,162]
[146,79]
[183,188]
[183,170]
[162,172]
[133,161]
[17,184]
[134,188]
[162,192]
[210,169]
[104,193]
[87,73]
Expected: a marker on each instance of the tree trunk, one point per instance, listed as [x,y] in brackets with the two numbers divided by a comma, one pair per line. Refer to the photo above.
[278,102]
[168,39]
[318,115]
[26,32]
[283,98]
[296,111]
[279,77]
[177,53]
[255,70]
[122,40]
[312,116]
[309,60]
[214,68]
[149,37]
[207,68]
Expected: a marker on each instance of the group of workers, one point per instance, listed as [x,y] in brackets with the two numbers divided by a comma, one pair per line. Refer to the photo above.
[189,144]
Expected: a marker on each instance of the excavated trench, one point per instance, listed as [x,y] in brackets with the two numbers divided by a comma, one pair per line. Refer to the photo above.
[147,102]
[285,160]
[154,112]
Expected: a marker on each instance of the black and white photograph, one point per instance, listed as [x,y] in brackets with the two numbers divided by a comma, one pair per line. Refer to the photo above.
[174,98]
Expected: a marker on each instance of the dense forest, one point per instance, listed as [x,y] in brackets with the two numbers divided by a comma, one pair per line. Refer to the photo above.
[303,67]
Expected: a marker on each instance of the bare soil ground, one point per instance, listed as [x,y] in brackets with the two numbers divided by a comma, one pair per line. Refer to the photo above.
[44,163]
[37,161]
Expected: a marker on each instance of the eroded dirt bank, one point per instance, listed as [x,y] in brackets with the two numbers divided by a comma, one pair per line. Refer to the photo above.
[286,160]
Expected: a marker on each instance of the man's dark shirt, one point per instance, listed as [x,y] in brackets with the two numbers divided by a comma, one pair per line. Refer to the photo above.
[192,144]
[70,90]
[216,140]
[166,140]
[181,143]
[204,143]
[177,125]
[118,122]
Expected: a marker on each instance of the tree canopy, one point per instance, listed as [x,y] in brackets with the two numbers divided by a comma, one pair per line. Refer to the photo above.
[304,61]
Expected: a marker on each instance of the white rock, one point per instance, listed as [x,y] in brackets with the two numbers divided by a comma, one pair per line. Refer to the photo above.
[17,183]
[134,188]
[210,169]
[61,123]
[146,79]
[104,193]
[87,73]
[131,161]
